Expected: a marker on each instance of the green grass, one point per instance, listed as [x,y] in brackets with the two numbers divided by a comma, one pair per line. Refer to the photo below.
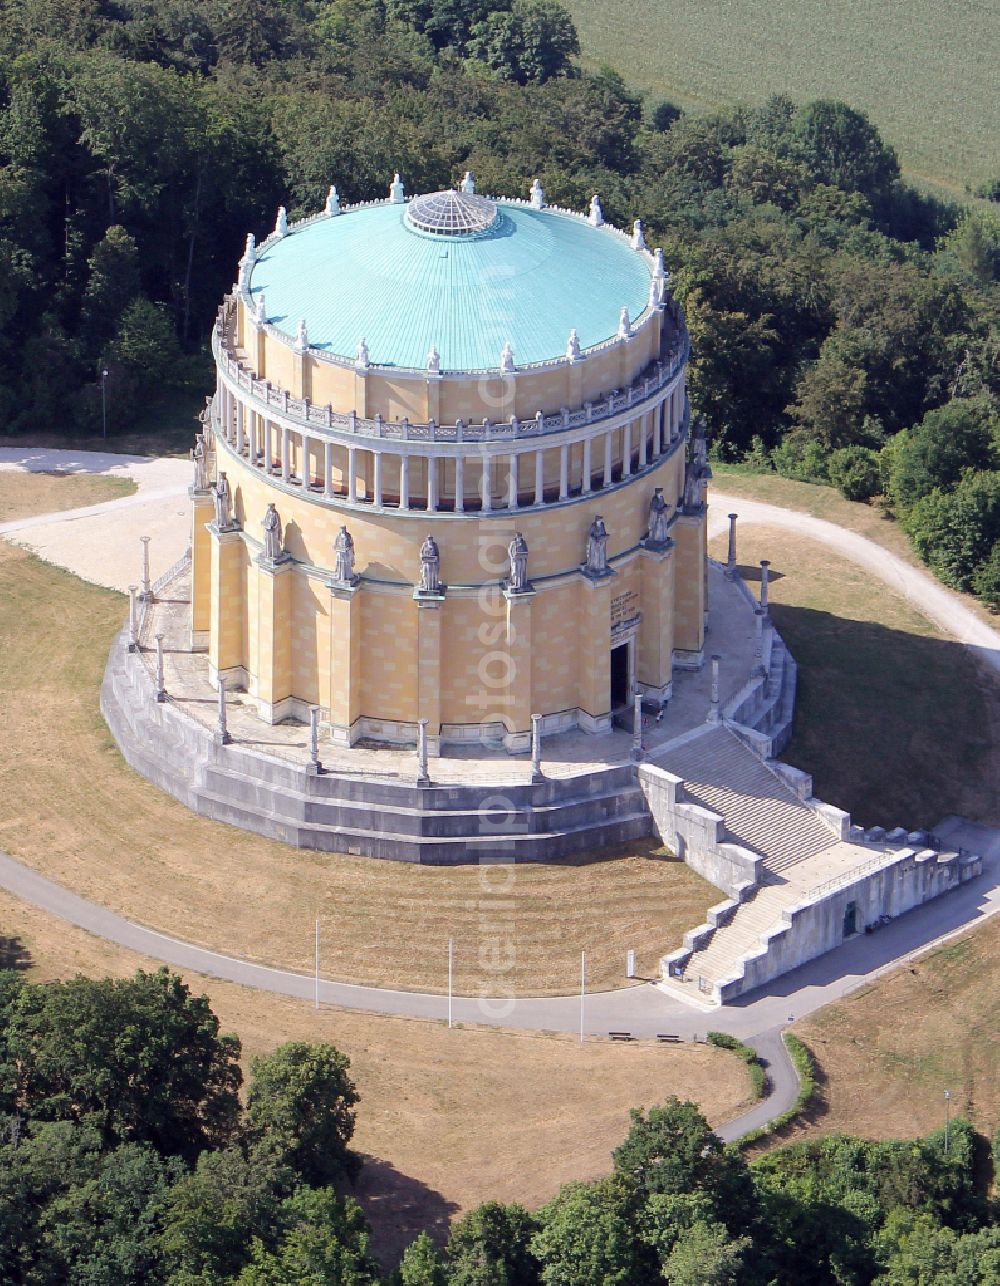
[925,72]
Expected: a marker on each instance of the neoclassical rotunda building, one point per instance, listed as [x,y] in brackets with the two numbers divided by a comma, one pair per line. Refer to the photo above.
[446,473]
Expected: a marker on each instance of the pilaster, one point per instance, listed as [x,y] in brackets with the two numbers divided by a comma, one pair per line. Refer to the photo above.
[271,647]
[689,571]
[430,615]
[202,512]
[517,698]
[225,638]
[655,650]
[594,652]
[344,671]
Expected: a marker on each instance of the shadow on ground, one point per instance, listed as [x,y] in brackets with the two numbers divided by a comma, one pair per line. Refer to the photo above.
[897,728]
[14,954]
[398,1208]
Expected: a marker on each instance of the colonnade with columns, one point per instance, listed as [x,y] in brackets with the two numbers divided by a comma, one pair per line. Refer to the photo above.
[495,474]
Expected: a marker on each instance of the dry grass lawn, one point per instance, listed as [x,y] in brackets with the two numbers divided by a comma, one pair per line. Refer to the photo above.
[869,520]
[896,723]
[70,806]
[447,1119]
[889,1052]
[22,495]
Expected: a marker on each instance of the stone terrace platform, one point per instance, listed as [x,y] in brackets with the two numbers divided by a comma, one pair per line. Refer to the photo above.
[481,804]
[730,633]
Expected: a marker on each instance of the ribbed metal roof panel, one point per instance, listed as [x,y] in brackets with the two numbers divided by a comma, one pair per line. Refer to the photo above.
[530,280]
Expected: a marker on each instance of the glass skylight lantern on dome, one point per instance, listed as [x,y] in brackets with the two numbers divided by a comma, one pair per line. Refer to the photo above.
[431,373]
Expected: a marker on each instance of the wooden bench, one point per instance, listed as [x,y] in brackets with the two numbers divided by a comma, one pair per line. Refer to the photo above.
[619,1035]
[667,1039]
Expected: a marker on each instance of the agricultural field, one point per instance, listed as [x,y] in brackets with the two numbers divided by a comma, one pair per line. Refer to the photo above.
[925,72]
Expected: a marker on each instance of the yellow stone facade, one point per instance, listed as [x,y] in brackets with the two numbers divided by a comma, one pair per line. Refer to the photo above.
[396,456]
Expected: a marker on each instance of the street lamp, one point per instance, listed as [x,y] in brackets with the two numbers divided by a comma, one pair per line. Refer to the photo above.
[104,404]
[947,1119]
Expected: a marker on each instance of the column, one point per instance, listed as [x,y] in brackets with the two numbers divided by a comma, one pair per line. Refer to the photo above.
[512,483]
[459,484]
[585,480]
[642,442]
[731,554]
[404,482]
[608,441]
[487,484]
[563,472]
[240,435]
[377,479]
[327,468]
[764,568]
[352,475]
[518,705]
[627,451]
[305,471]
[539,477]
[432,484]
[286,448]
[658,442]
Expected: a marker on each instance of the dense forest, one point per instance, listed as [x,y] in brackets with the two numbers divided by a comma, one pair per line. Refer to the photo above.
[127,1158]
[846,328]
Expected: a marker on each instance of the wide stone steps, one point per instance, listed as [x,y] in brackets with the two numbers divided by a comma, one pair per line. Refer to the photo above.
[515,842]
[761,812]
[744,934]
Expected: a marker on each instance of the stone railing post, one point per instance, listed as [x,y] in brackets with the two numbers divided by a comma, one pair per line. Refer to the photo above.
[764,565]
[637,726]
[133,619]
[314,764]
[147,591]
[536,747]
[222,733]
[713,712]
[731,557]
[423,773]
[758,645]
[161,691]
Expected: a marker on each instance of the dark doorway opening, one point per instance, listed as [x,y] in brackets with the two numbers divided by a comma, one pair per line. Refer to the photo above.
[619,676]
[851,919]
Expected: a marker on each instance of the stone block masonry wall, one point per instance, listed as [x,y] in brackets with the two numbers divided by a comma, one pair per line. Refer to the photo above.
[818,924]
[697,835]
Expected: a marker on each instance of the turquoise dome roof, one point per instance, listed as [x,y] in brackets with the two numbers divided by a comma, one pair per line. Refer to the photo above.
[407,285]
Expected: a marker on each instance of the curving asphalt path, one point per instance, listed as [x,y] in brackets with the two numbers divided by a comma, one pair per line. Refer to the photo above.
[644,1010]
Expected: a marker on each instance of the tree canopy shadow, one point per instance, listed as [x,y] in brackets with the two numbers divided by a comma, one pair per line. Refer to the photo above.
[898,728]
[399,1207]
[14,954]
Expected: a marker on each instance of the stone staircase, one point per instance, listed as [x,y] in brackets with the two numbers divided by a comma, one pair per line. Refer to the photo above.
[759,809]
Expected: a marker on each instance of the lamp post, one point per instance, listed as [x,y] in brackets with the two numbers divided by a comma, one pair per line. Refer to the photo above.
[947,1120]
[104,404]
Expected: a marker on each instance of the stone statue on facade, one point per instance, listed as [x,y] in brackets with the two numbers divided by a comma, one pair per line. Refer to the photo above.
[517,552]
[199,458]
[597,549]
[223,505]
[343,558]
[274,550]
[692,487]
[699,448]
[430,567]
[658,533]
